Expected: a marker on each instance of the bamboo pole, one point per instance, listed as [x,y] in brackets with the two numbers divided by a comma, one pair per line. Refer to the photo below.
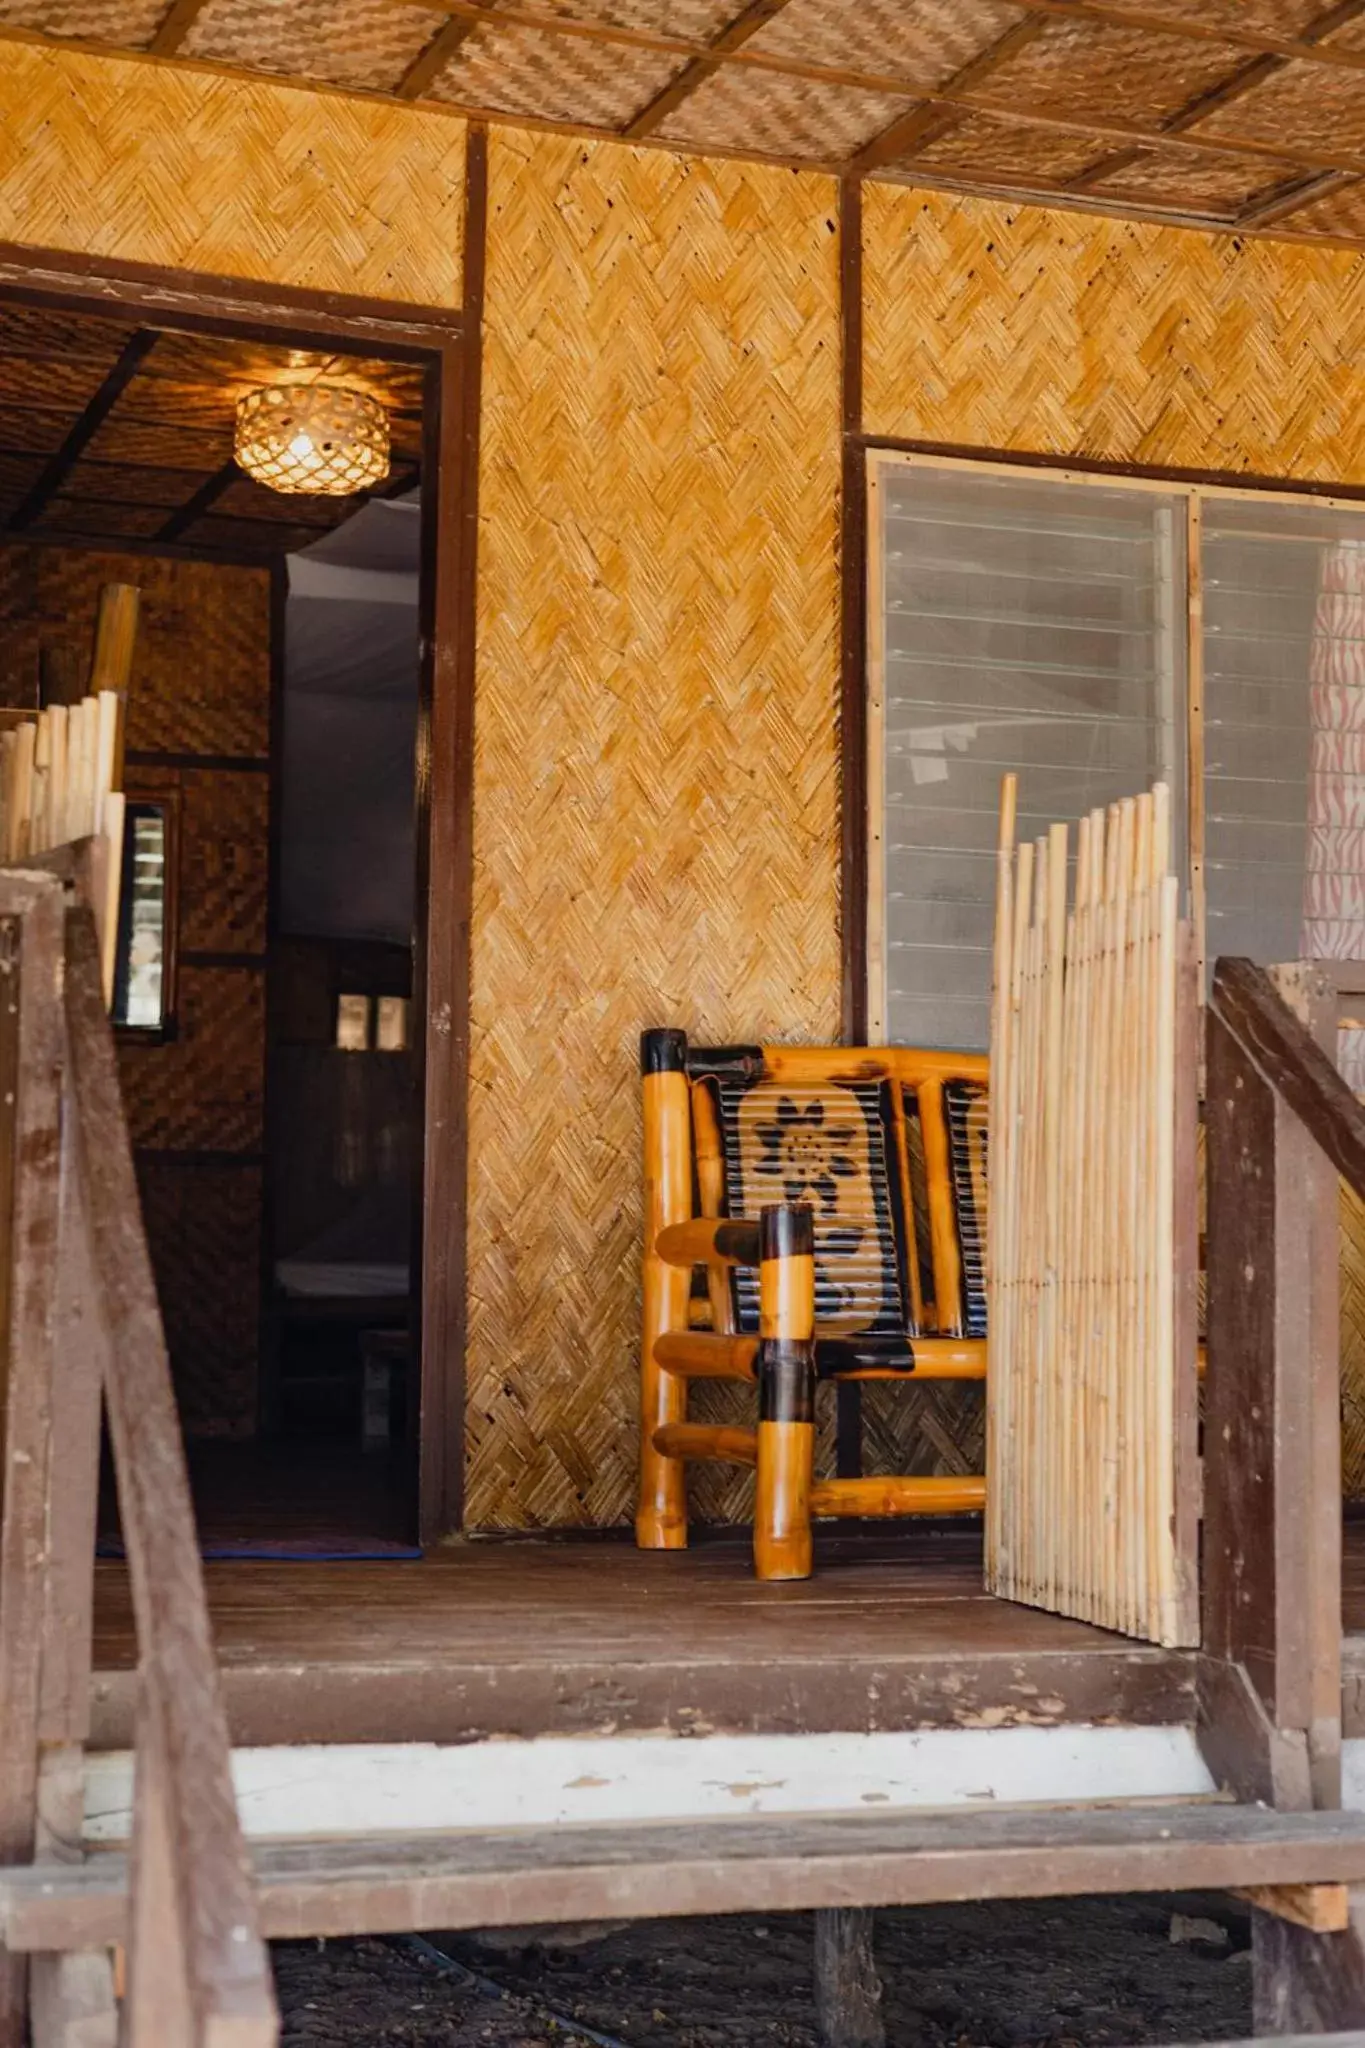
[998,1137]
[111,665]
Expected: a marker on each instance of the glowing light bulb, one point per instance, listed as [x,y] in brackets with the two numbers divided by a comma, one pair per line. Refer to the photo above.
[328,439]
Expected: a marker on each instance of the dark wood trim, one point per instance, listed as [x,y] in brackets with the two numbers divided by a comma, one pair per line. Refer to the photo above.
[852,706]
[432,60]
[1289,197]
[1094,465]
[199,501]
[236,764]
[206,303]
[852,624]
[58,466]
[175,26]
[124,544]
[445,796]
[755,16]
[922,124]
[202,1159]
[247,963]
[268,1364]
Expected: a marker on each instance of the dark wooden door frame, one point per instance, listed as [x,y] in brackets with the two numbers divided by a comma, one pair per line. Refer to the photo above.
[445,341]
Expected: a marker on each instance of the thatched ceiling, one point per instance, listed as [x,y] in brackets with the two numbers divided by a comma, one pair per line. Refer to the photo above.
[1247,114]
[114,430]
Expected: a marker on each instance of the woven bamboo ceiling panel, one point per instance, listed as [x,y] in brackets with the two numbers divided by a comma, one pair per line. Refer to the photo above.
[1241,114]
[115,431]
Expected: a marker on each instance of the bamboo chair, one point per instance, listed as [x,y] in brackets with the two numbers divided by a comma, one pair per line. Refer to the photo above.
[834,1199]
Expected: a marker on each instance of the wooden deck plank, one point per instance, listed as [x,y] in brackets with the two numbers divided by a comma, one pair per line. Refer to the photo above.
[560,1637]
[390,1884]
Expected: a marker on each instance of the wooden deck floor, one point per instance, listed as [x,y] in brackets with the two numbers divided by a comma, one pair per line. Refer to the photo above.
[573,1636]
[523,1638]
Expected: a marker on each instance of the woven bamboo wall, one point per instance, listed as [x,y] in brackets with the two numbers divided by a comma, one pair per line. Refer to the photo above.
[235,177]
[656,798]
[201,685]
[1012,327]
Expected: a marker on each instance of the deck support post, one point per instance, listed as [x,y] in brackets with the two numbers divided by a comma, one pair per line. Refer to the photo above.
[1270,1685]
[1270,1673]
[848,1990]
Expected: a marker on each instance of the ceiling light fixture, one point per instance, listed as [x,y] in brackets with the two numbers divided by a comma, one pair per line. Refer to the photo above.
[319,438]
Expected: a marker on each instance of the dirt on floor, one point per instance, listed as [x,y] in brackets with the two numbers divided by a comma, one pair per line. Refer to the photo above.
[1134,1970]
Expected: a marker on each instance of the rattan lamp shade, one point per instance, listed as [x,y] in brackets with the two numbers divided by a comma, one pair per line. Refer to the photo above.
[317,438]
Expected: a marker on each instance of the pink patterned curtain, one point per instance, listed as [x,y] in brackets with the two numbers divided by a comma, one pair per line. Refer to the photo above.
[1334,875]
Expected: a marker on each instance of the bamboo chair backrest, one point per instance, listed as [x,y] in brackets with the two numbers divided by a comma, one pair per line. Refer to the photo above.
[888,1147]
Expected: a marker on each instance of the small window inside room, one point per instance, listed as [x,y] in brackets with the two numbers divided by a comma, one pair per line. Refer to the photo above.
[1096,636]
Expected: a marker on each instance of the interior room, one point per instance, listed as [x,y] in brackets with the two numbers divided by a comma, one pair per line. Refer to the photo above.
[264,996]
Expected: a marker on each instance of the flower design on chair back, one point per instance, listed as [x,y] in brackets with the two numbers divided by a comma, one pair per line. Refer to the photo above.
[807,1155]
[813,1144]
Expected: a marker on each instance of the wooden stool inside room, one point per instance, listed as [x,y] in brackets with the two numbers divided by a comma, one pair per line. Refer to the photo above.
[811,1213]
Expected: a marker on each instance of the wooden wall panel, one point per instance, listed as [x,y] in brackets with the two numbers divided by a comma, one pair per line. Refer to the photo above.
[1017,327]
[235,177]
[655,808]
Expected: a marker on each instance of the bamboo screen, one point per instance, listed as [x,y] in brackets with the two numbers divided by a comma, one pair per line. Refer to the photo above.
[1090,1395]
[237,177]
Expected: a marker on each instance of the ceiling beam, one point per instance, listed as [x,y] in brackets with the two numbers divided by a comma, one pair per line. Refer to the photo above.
[199,502]
[428,64]
[1254,72]
[176,24]
[923,125]
[746,24]
[58,466]
[1291,198]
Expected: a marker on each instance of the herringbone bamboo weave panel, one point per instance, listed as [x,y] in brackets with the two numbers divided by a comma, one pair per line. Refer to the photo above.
[1050,331]
[217,703]
[656,829]
[237,177]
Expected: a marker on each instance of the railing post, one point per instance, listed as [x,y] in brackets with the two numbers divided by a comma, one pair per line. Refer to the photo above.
[158,2010]
[30,1074]
[1271,1691]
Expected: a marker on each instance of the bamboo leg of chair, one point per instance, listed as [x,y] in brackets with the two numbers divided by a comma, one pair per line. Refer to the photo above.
[661,1517]
[786,1419]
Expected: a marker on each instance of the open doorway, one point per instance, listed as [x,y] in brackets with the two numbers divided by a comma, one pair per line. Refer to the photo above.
[274,929]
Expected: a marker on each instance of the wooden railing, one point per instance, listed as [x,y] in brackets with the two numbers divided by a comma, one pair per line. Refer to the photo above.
[84,1328]
[1281,1125]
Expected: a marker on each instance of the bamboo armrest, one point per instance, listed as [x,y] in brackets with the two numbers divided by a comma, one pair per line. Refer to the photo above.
[709,1241]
